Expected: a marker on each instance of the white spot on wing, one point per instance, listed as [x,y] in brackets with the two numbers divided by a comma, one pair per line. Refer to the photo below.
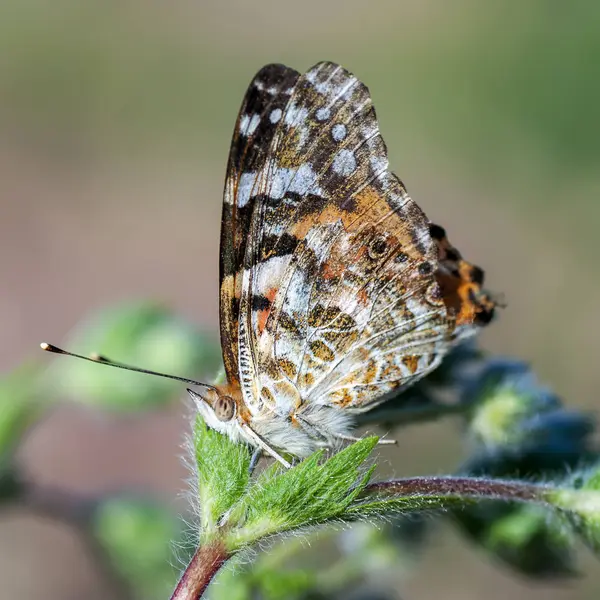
[338,132]
[254,121]
[379,163]
[344,163]
[323,114]
[302,180]
[248,124]
[275,115]
[270,272]
[245,186]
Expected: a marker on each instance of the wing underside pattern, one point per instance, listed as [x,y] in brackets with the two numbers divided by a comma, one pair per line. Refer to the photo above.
[335,288]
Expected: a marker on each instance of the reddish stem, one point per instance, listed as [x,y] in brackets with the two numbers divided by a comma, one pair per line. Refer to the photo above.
[204,565]
[464,487]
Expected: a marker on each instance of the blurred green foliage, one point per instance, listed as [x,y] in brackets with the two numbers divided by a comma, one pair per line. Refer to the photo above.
[151,337]
[137,537]
[518,428]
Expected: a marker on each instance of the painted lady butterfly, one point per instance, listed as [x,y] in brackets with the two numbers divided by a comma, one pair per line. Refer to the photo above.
[336,290]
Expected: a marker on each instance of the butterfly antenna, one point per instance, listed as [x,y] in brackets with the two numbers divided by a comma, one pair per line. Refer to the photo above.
[98,358]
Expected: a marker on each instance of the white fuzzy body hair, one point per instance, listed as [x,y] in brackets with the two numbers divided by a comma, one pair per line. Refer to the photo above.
[313,426]
[298,433]
[229,428]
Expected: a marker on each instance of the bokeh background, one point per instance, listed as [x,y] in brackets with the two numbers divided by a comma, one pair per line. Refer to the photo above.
[115,121]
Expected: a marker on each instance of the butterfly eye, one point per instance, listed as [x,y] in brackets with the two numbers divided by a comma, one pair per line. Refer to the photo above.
[377,247]
[224,408]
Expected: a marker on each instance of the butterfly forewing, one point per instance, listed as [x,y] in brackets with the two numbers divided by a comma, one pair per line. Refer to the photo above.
[336,289]
[267,94]
[332,265]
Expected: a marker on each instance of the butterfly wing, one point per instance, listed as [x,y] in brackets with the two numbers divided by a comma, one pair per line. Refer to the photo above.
[267,93]
[345,294]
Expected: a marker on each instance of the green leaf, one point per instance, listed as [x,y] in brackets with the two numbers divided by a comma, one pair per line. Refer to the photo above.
[223,473]
[141,334]
[312,492]
[239,511]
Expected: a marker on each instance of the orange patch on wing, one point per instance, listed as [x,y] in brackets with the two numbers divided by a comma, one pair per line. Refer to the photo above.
[263,315]
[330,214]
[332,270]
[463,297]
[411,362]
[371,201]
[368,200]
[466,314]
[370,372]
[363,297]
[365,200]
[344,398]
[321,351]
[461,282]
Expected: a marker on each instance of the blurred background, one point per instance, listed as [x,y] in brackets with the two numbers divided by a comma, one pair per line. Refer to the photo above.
[115,123]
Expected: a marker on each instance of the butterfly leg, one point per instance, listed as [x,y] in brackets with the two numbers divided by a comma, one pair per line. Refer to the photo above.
[257,440]
[256,455]
[351,438]
[320,440]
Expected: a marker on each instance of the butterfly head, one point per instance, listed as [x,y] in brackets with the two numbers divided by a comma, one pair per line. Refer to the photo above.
[219,408]
[217,402]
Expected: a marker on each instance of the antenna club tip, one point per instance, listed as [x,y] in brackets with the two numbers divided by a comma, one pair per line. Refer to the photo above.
[45,346]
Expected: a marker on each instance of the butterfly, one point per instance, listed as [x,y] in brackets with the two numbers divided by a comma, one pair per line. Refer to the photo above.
[336,291]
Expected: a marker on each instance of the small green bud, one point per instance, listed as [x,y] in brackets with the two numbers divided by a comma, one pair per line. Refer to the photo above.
[504,394]
[581,504]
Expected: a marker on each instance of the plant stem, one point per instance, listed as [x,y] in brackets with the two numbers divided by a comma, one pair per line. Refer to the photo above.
[462,487]
[204,565]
